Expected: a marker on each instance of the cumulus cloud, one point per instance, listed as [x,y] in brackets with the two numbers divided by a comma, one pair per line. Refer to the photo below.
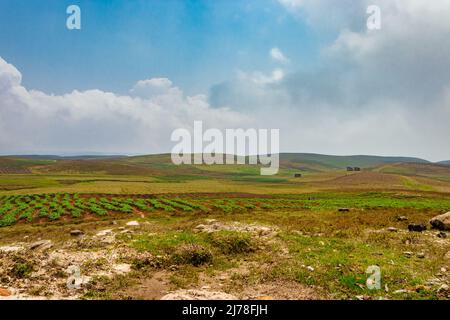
[96,121]
[277,55]
[376,92]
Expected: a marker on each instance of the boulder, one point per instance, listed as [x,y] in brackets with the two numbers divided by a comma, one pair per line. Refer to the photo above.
[76,233]
[441,222]
[41,245]
[417,227]
[442,235]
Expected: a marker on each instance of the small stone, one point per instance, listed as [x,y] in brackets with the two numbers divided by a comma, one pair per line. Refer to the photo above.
[104,233]
[11,248]
[392,229]
[76,233]
[133,224]
[417,227]
[421,255]
[443,270]
[442,235]
[122,268]
[310,268]
[443,288]
[4,292]
[400,291]
[408,254]
[265,298]
[42,245]
[402,218]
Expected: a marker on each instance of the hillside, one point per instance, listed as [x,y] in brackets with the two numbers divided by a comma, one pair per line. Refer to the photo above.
[161,165]
[341,162]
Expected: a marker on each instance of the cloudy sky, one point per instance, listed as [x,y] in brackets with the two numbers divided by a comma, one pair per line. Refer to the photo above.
[137,70]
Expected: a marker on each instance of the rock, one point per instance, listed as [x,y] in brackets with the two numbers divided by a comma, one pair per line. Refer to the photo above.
[443,288]
[344,210]
[133,224]
[41,245]
[11,248]
[265,298]
[104,233]
[417,227]
[408,254]
[310,268]
[76,233]
[447,256]
[421,255]
[392,229]
[200,227]
[441,222]
[122,268]
[108,239]
[401,291]
[4,292]
[442,235]
[198,295]
[402,218]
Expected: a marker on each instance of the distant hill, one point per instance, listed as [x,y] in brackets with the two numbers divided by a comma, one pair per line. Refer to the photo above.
[77,157]
[161,165]
[341,162]
[445,163]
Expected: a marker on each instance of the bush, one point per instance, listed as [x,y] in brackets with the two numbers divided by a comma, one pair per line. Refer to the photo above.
[193,254]
[22,269]
[229,242]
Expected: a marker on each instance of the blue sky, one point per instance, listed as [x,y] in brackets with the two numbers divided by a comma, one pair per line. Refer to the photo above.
[194,43]
[138,70]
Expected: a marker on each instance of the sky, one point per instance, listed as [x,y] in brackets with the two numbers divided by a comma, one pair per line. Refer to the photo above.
[137,70]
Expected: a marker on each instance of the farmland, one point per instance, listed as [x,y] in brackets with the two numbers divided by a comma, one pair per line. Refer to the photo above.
[141,228]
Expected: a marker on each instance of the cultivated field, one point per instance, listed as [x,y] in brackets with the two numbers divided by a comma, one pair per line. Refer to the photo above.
[141,228]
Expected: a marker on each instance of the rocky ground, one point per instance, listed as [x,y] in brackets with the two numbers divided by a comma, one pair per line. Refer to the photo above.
[106,260]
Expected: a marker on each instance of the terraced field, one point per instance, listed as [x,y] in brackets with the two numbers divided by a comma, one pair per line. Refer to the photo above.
[56,206]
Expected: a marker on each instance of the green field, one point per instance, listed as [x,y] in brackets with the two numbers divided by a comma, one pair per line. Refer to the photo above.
[223,228]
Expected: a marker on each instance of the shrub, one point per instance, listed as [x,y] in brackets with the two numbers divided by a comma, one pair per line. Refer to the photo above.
[231,242]
[193,254]
[21,269]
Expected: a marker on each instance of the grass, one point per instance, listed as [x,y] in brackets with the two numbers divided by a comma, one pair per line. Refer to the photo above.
[316,245]
[28,208]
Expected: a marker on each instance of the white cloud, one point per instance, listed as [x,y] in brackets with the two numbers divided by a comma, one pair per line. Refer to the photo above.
[383,92]
[277,55]
[97,121]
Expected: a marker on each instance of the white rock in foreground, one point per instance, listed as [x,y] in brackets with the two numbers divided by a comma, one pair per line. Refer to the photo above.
[198,295]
